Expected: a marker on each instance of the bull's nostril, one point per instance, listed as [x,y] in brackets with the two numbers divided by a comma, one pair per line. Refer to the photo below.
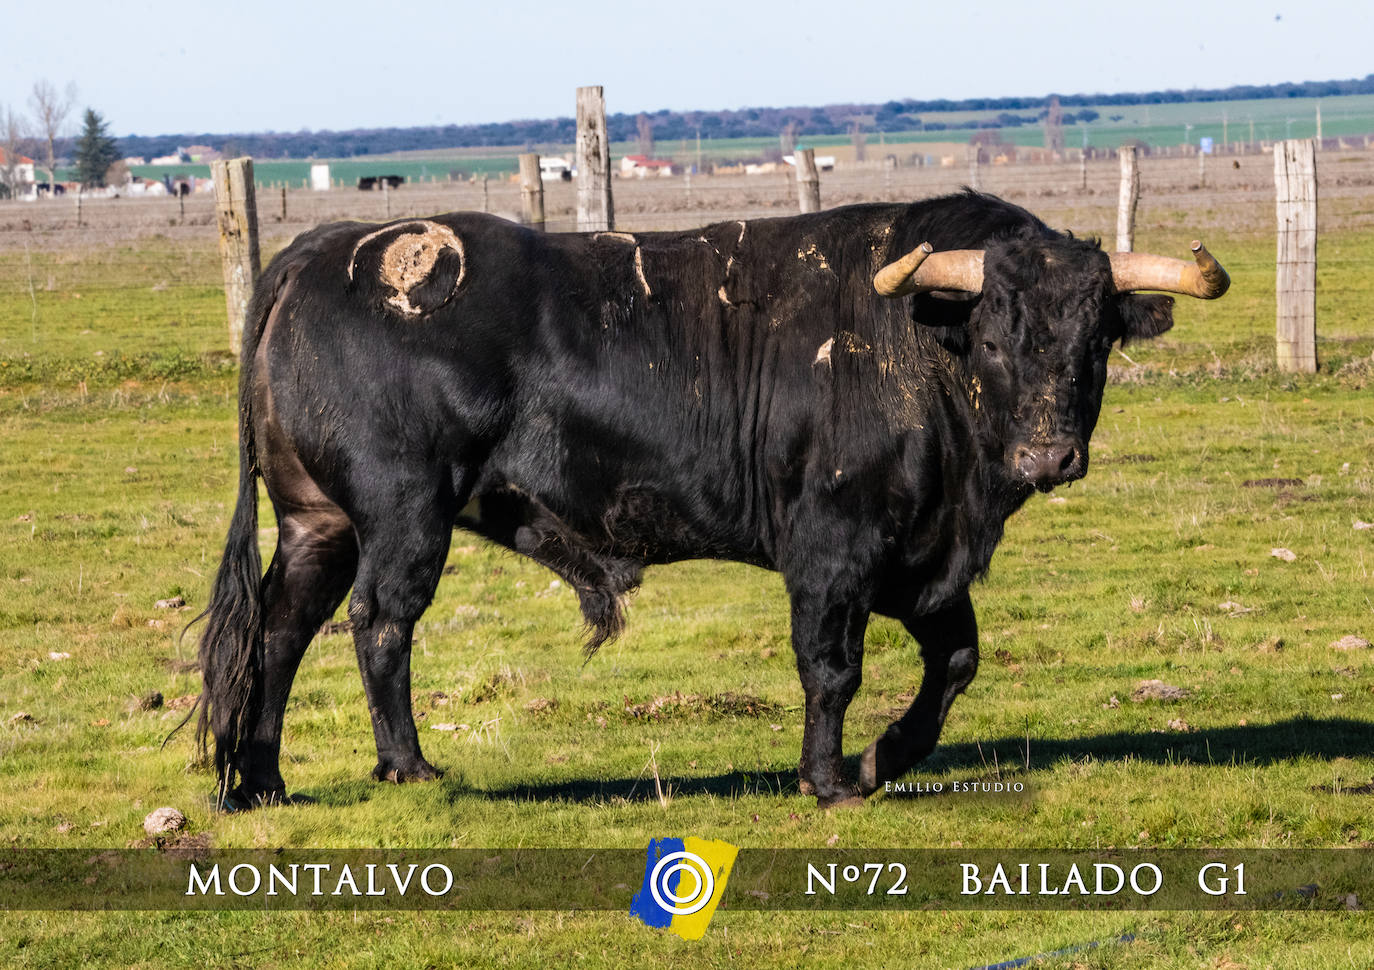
[1070,458]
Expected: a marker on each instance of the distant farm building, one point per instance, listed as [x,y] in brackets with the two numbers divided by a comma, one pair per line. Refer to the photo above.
[16,177]
[642,166]
[554,168]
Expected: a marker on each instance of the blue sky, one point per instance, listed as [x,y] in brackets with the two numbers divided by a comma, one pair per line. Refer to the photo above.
[161,68]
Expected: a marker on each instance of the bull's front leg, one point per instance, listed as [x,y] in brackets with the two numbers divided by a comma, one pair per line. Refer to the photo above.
[949,648]
[828,638]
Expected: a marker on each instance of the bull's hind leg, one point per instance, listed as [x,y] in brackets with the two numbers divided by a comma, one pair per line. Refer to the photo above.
[949,648]
[402,557]
[309,575]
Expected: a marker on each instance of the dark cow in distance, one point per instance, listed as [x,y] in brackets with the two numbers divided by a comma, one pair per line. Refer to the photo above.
[856,398]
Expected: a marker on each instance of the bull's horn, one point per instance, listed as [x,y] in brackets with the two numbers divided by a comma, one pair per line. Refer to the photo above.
[922,270]
[1204,278]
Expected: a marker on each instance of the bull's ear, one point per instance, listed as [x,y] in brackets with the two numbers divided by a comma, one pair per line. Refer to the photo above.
[1144,316]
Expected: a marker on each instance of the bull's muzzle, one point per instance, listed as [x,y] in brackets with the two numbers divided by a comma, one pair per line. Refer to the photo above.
[1045,466]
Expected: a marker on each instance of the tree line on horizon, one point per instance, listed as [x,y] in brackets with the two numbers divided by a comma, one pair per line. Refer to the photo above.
[665,125]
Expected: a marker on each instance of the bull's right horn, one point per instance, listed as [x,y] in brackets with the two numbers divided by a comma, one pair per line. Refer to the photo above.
[1203,278]
[923,270]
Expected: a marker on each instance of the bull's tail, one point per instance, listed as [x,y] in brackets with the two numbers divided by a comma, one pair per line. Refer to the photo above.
[231,649]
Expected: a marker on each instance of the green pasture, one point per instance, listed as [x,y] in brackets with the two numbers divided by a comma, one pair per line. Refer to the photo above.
[1155,125]
[117,478]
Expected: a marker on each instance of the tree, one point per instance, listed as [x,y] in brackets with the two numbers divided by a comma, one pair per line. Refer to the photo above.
[96,151]
[50,111]
[645,129]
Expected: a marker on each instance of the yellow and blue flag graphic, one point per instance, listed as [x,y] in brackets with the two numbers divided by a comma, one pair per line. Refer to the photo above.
[684,880]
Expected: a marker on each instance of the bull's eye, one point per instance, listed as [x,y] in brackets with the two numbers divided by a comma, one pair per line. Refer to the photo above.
[989,347]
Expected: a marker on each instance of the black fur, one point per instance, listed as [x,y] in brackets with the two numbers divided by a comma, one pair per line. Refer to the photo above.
[601,403]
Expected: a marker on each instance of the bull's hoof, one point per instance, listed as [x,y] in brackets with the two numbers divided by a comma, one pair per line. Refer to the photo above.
[868,770]
[244,799]
[399,774]
[842,800]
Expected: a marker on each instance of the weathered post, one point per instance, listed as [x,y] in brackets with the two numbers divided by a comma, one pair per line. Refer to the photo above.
[1295,188]
[486,200]
[808,181]
[1201,169]
[1127,200]
[595,212]
[236,212]
[386,195]
[531,190]
[889,164]
[1083,171]
[283,202]
[975,180]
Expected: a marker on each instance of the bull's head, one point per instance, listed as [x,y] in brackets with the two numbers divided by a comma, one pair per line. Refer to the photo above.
[1045,312]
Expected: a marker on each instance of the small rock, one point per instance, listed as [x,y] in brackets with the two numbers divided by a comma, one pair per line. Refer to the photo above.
[175,603]
[1352,902]
[1157,690]
[1350,642]
[183,702]
[1112,704]
[58,655]
[833,839]
[163,820]
[1361,526]
[1232,608]
[1179,724]
[539,705]
[776,727]
[1287,555]
[443,727]
[1057,500]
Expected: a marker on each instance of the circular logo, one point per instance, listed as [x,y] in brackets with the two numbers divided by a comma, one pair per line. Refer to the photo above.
[683,904]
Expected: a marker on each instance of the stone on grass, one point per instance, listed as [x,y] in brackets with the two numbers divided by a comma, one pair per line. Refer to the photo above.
[1157,690]
[163,820]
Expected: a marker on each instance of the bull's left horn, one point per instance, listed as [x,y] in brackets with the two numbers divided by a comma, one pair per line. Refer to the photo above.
[922,270]
[1203,278]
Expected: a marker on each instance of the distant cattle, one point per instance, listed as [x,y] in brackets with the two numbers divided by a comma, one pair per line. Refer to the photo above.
[856,398]
[368,183]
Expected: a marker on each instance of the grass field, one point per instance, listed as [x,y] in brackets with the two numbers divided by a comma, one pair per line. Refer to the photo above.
[117,477]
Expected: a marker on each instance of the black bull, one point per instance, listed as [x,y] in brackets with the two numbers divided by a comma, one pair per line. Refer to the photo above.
[599,402]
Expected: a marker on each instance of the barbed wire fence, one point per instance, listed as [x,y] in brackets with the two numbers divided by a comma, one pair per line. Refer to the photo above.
[167,246]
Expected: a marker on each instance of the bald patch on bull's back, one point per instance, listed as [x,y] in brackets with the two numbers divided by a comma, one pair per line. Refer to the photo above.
[408,262]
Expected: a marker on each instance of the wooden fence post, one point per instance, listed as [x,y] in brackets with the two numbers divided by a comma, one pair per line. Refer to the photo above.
[1295,188]
[1128,200]
[1083,171]
[532,190]
[808,181]
[236,212]
[975,179]
[595,212]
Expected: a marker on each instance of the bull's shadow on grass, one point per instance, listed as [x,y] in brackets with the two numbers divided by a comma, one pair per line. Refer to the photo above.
[1260,745]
